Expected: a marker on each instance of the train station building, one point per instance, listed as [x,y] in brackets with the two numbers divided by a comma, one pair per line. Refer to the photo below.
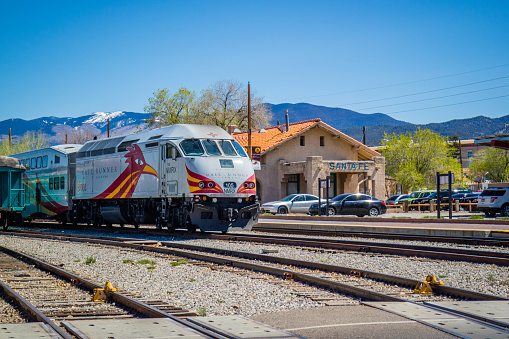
[291,158]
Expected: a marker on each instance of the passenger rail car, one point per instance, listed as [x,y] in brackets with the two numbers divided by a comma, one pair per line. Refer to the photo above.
[180,176]
[11,191]
[48,181]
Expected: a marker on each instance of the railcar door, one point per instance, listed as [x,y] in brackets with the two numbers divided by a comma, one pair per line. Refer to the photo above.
[38,196]
[168,185]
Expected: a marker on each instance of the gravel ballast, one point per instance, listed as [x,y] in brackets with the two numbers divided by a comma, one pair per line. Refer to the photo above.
[198,288]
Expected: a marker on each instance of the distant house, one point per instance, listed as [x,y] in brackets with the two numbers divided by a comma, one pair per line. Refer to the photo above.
[293,158]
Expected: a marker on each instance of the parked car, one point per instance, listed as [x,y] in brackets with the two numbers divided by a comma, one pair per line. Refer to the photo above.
[457,191]
[294,203]
[493,201]
[415,195]
[471,197]
[425,201]
[351,203]
[394,200]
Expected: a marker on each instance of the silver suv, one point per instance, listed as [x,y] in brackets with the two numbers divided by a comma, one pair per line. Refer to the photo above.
[494,200]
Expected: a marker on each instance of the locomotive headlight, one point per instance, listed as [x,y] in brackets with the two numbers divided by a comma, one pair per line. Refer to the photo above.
[210,184]
[251,185]
[201,184]
[246,185]
[214,200]
[239,200]
[197,198]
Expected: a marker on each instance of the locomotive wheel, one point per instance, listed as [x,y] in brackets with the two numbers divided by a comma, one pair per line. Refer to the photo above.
[136,225]
[109,225]
[5,224]
[191,228]
[122,225]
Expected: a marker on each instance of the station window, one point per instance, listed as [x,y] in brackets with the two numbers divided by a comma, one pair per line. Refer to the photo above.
[50,183]
[322,140]
[39,162]
[57,159]
[45,161]
[56,183]
[62,183]
[294,184]
[302,140]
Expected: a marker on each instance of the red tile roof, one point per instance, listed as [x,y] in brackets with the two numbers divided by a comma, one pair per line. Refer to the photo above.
[276,135]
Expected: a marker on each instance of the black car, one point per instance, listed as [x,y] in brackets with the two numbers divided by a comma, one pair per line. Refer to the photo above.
[470,198]
[351,203]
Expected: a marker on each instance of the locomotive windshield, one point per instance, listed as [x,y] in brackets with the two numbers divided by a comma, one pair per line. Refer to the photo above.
[239,149]
[227,147]
[211,147]
[192,147]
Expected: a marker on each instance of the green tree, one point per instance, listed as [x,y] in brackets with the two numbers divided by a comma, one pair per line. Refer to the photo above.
[29,141]
[493,160]
[169,109]
[225,103]
[414,159]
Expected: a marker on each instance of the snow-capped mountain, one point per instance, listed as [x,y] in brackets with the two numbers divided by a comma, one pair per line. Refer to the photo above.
[121,122]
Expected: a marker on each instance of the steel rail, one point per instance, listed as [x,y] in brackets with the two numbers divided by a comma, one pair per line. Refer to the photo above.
[484,257]
[476,256]
[183,250]
[118,297]
[504,242]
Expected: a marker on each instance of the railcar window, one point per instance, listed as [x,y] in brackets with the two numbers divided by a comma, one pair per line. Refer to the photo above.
[123,146]
[45,161]
[227,147]
[50,183]
[211,147]
[57,159]
[62,183]
[239,149]
[192,147]
[56,183]
[168,151]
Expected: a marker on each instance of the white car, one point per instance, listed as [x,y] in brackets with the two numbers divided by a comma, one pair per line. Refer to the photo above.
[294,203]
[494,200]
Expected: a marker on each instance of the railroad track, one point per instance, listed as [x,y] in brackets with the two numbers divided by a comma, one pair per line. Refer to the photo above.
[327,276]
[441,253]
[45,293]
[500,242]
[362,285]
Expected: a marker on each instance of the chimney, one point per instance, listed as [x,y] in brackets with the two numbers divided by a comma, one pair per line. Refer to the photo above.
[287,121]
[231,128]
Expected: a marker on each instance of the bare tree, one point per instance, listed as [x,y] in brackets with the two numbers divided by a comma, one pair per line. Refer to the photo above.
[76,135]
[224,104]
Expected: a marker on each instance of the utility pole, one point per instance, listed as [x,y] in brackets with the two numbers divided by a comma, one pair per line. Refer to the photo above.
[108,127]
[10,140]
[364,135]
[249,147]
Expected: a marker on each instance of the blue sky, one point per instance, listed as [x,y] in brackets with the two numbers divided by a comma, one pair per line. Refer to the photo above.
[72,58]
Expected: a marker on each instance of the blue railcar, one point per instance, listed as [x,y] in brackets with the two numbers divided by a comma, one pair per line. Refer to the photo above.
[11,191]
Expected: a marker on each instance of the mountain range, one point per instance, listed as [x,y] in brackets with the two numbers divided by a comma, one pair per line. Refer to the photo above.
[347,121]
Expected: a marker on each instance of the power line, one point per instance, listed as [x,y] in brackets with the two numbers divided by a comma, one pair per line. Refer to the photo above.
[458,103]
[401,84]
[435,98]
[426,92]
